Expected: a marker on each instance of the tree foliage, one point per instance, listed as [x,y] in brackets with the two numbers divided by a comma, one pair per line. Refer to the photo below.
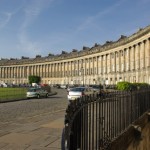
[34,79]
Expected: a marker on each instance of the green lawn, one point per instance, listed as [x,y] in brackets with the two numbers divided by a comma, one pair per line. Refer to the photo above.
[11,94]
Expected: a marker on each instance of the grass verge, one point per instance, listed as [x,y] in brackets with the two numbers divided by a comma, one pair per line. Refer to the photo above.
[12,94]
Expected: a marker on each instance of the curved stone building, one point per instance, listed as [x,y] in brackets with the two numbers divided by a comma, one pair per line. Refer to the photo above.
[127,59]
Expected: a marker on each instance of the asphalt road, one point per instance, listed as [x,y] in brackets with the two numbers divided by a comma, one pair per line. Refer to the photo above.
[33,124]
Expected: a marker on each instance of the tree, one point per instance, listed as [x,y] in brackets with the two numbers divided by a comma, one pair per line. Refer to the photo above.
[34,79]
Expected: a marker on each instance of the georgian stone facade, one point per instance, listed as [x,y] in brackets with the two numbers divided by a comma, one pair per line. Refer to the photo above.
[127,59]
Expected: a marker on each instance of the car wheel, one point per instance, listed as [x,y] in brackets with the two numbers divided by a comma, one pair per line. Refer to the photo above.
[38,96]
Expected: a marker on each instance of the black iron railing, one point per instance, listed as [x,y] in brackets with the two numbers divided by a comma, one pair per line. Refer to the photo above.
[91,123]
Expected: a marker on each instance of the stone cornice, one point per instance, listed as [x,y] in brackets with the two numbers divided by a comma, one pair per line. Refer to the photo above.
[76,54]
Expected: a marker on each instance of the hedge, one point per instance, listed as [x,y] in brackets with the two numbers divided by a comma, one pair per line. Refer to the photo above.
[124,86]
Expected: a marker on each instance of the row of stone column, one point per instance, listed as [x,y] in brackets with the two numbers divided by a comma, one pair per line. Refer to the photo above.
[129,59]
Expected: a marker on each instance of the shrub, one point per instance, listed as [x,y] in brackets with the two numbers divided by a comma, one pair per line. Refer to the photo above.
[124,86]
[140,85]
[131,86]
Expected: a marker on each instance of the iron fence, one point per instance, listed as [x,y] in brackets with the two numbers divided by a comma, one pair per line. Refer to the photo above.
[91,123]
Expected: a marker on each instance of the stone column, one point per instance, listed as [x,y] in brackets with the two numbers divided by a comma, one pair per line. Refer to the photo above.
[138,49]
[53,70]
[3,72]
[130,58]
[142,55]
[115,60]
[8,72]
[124,60]
[102,64]
[32,70]
[127,59]
[109,63]
[119,61]
[50,70]
[105,62]
[38,70]
[70,70]
[147,53]
[111,60]
[136,56]
[133,57]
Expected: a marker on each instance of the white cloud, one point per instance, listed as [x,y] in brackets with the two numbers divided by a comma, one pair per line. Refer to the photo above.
[4,19]
[31,12]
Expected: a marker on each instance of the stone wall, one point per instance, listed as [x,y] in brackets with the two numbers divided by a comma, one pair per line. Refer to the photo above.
[136,137]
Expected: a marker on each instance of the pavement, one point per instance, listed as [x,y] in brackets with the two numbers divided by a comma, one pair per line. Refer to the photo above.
[36,132]
[33,133]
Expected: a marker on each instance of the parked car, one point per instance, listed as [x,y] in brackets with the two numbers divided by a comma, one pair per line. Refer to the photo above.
[70,87]
[36,93]
[78,92]
[3,85]
[96,88]
[63,86]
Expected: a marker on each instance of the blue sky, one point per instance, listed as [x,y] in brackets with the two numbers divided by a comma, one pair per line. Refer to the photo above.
[39,27]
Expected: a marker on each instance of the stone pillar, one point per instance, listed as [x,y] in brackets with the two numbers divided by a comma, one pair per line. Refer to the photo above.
[105,63]
[7,72]
[104,70]
[71,70]
[111,60]
[119,61]
[142,55]
[58,70]
[130,58]
[53,70]
[115,61]
[144,52]
[136,56]
[101,64]
[32,70]
[63,69]
[109,67]
[127,59]
[50,70]
[133,57]
[124,60]
[44,70]
[38,70]
[147,53]
[3,72]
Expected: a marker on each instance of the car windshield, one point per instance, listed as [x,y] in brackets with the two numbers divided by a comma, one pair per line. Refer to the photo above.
[31,90]
[77,89]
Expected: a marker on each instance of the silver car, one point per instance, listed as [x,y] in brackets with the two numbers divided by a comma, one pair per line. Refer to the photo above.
[36,93]
[78,92]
